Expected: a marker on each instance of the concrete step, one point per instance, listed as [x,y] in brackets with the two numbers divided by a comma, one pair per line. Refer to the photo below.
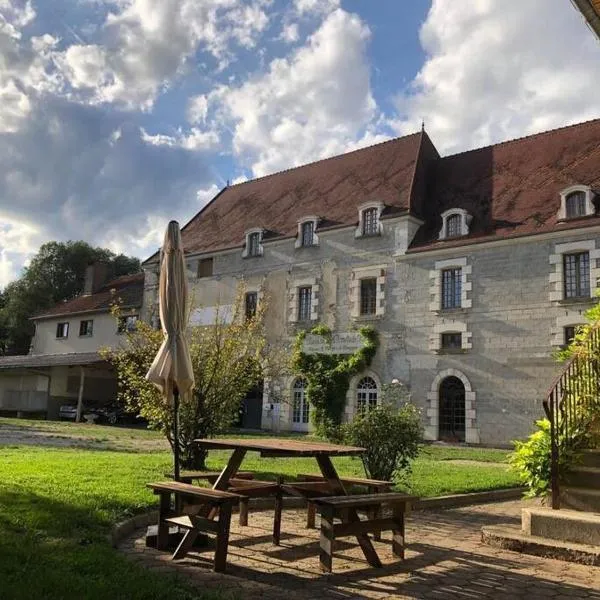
[511,538]
[562,525]
[584,477]
[591,458]
[579,498]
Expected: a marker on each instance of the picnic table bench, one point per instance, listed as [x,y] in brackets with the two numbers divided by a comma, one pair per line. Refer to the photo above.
[215,501]
[376,486]
[344,508]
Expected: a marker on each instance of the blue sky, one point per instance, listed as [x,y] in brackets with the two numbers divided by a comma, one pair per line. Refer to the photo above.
[118,115]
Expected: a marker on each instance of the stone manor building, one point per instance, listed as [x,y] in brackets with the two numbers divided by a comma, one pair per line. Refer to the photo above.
[474,268]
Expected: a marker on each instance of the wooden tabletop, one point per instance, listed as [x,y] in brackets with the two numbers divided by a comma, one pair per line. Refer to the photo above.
[281,447]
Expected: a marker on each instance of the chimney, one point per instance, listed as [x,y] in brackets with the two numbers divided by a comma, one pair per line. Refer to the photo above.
[95,277]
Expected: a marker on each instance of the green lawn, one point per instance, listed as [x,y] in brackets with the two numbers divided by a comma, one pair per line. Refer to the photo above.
[57,504]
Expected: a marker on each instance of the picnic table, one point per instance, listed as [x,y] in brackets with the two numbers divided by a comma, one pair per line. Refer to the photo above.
[287,448]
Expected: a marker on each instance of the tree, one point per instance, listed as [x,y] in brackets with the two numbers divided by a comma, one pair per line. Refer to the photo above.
[229,358]
[56,273]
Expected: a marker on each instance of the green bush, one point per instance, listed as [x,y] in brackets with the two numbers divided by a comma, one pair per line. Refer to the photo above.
[531,460]
[391,437]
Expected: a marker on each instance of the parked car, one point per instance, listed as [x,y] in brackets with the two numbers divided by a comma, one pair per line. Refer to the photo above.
[108,414]
[68,411]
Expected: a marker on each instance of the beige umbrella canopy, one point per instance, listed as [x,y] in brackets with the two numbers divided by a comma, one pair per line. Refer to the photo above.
[171,369]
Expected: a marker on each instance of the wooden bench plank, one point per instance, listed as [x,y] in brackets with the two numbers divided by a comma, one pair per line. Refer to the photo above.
[210,476]
[312,489]
[187,489]
[372,483]
[363,500]
[189,522]
[358,527]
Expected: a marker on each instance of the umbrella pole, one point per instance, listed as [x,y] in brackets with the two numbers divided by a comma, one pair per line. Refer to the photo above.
[176,433]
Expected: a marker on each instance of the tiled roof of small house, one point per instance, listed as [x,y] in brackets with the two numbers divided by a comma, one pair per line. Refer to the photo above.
[513,188]
[332,189]
[128,290]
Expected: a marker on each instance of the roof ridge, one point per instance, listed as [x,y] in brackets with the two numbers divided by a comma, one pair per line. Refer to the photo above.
[524,137]
[328,158]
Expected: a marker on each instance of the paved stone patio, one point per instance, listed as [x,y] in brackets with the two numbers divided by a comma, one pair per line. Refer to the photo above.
[445,560]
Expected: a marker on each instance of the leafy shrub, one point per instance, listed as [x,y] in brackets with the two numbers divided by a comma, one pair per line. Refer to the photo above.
[531,460]
[391,437]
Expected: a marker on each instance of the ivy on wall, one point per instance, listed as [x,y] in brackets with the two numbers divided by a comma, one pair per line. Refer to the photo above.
[328,377]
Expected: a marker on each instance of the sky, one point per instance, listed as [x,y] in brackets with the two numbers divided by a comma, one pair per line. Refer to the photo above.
[119,115]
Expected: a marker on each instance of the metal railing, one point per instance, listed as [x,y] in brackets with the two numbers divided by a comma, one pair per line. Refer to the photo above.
[571,404]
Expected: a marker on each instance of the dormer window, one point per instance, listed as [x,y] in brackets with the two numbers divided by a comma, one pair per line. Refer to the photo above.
[455,223]
[307,236]
[576,201]
[254,245]
[369,220]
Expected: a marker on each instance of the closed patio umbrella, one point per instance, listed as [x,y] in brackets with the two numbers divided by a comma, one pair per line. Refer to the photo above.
[171,369]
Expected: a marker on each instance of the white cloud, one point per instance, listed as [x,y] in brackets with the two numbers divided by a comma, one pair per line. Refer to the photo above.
[197,109]
[497,70]
[316,6]
[290,33]
[148,43]
[194,139]
[311,104]
[19,241]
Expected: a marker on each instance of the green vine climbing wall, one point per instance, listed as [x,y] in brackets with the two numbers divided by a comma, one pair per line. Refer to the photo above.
[328,377]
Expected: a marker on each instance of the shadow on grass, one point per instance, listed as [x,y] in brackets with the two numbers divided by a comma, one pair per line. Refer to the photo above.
[51,549]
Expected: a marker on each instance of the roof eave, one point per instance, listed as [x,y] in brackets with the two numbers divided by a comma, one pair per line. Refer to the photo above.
[591,12]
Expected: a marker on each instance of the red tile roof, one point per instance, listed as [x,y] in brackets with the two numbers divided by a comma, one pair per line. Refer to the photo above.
[128,290]
[513,188]
[333,189]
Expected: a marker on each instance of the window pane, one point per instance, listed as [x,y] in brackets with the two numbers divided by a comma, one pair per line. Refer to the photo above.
[370,222]
[451,288]
[576,272]
[451,341]
[127,324]
[251,304]
[254,244]
[304,303]
[368,296]
[205,267]
[366,394]
[453,226]
[308,233]
[62,330]
[570,333]
[575,205]
[85,328]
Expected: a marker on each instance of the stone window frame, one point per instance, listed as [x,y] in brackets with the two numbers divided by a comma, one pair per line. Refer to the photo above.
[450,326]
[350,410]
[247,234]
[379,273]
[433,404]
[571,318]
[556,277]
[293,298]
[358,233]
[590,209]
[465,221]
[309,219]
[435,287]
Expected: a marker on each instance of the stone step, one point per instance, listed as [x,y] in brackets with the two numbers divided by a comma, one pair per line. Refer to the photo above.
[584,477]
[591,458]
[511,538]
[563,525]
[579,498]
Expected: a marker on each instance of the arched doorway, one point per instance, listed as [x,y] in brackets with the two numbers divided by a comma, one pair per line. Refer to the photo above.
[452,414]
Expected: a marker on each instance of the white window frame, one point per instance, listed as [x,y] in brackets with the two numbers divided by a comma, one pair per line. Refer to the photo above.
[64,329]
[368,407]
[310,219]
[246,251]
[465,221]
[556,277]
[379,273]
[589,203]
[358,233]
[293,299]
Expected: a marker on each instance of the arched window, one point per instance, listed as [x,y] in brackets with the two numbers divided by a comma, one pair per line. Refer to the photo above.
[300,406]
[366,394]
[454,226]
[575,202]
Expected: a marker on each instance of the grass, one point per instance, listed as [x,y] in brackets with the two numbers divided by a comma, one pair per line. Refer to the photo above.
[58,504]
